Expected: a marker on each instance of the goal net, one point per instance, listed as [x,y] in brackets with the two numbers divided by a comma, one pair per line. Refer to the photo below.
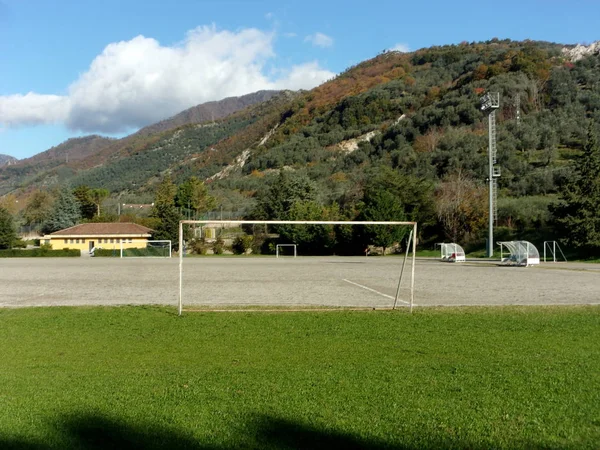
[227,270]
[153,249]
[280,250]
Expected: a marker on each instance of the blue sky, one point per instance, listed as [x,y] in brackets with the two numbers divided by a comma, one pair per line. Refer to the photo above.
[73,68]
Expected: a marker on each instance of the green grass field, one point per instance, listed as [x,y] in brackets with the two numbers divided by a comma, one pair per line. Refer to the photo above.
[141,377]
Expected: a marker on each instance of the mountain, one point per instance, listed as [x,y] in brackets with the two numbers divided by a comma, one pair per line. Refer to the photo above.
[73,149]
[206,112]
[28,171]
[414,118]
[6,160]
[60,163]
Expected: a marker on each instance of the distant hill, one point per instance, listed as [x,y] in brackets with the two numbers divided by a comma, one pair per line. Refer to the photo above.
[6,160]
[206,112]
[64,160]
[73,149]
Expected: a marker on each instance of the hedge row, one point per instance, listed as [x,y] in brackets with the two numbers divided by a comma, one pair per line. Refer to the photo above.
[39,252]
[107,252]
[138,252]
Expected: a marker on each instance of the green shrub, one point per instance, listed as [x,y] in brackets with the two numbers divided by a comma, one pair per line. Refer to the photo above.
[107,252]
[39,252]
[219,247]
[197,246]
[242,244]
[19,243]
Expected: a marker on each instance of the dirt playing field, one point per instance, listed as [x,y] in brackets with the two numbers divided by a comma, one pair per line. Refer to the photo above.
[330,281]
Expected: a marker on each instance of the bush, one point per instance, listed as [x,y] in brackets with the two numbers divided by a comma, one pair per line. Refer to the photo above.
[197,246]
[219,247]
[258,241]
[39,252]
[242,244]
[19,243]
[107,252]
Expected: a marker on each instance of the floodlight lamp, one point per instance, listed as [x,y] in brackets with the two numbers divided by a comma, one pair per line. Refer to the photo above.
[485,102]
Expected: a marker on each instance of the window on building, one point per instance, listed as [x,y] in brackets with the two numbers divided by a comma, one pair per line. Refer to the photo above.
[112,241]
[77,241]
[83,241]
[66,241]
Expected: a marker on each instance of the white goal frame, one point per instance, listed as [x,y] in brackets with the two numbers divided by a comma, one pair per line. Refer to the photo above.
[148,242]
[286,245]
[412,245]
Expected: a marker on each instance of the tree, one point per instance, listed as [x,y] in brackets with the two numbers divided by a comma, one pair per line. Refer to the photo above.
[10,203]
[414,194]
[577,213]
[65,212]
[312,239]
[164,209]
[98,196]
[87,205]
[381,205]
[461,207]
[275,202]
[38,208]
[165,192]
[193,195]
[8,234]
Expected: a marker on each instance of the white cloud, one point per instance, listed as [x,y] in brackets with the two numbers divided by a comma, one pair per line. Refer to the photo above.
[319,40]
[304,76]
[137,82]
[32,109]
[404,48]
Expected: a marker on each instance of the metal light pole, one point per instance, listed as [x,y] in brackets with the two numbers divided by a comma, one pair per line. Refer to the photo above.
[490,102]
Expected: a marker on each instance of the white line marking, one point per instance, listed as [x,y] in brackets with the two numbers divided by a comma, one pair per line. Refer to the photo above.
[373,290]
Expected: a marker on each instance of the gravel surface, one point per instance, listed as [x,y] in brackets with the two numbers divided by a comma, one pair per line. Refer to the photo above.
[330,281]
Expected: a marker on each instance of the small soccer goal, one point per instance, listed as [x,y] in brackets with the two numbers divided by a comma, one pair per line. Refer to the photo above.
[332,272]
[553,249]
[153,249]
[280,250]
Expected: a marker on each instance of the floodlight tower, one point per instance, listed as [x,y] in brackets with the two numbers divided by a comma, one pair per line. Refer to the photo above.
[490,102]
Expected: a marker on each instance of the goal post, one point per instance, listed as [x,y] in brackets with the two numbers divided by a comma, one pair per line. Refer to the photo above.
[153,249]
[410,247]
[278,246]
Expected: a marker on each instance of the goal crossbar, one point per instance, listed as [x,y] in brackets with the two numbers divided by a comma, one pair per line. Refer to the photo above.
[412,244]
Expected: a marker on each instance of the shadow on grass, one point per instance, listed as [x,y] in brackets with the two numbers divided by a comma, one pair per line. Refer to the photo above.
[97,432]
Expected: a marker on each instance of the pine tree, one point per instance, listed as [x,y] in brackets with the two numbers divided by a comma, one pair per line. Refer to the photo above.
[380,205]
[66,212]
[86,202]
[578,213]
[165,210]
[7,229]
[193,196]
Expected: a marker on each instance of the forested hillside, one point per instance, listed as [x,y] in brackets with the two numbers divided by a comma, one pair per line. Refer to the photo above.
[407,124]
[6,159]
[62,162]
[415,118]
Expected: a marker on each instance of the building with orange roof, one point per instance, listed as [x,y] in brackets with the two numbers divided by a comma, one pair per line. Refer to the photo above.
[87,236]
